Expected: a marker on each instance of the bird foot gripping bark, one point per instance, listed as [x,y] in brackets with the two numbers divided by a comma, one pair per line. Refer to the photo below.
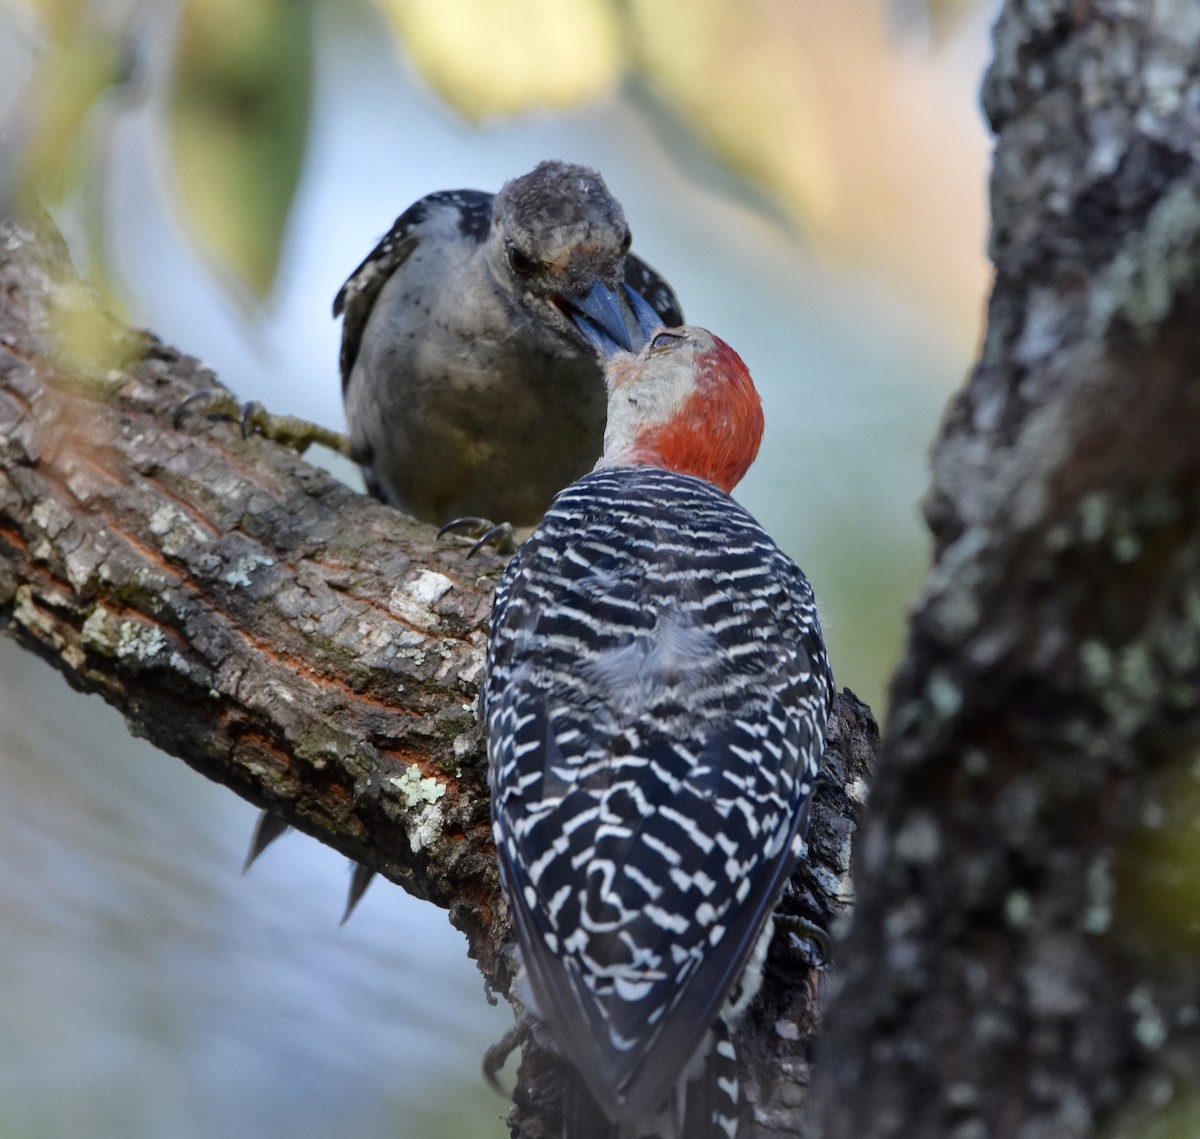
[289,430]
[499,535]
[497,1054]
[807,940]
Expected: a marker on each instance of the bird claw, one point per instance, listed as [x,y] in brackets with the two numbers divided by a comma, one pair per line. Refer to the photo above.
[498,535]
[217,401]
[496,1055]
[254,419]
[803,930]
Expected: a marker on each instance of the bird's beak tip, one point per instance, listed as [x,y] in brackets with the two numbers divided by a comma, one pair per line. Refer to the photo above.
[600,317]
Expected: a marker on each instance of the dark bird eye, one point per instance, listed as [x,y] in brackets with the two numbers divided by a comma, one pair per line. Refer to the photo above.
[521,263]
[663,340]
[627,241]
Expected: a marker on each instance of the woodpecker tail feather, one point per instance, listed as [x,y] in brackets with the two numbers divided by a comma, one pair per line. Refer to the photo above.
[361,878]
[582,1115]
[715,1108]
[269,827]
[709,1106]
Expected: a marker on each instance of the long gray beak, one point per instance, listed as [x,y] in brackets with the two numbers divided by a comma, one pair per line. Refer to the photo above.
[600,316]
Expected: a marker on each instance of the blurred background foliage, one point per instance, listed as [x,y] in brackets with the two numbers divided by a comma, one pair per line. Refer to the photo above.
[811,178]
[240,101]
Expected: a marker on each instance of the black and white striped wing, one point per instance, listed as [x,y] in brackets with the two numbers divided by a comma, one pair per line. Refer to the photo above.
[656,701]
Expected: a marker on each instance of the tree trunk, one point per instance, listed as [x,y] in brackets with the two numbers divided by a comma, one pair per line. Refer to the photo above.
[1023,960]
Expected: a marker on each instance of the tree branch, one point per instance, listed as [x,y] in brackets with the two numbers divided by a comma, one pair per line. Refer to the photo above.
[308,647]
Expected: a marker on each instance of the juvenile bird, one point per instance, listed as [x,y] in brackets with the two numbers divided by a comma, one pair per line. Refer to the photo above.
[656,699]
[470,384]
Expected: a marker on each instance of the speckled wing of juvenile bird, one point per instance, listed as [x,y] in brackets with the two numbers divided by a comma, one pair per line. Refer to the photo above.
[656,696]
[470,383]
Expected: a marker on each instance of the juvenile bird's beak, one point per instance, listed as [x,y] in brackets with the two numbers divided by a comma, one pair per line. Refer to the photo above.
[599,316]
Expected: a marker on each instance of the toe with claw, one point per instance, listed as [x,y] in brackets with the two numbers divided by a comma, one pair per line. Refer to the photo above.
[289,430]
[498,535]
[809,940]
[497,1054]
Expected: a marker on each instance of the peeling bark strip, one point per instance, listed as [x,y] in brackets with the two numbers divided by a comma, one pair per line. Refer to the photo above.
[1002,978]
[310,648]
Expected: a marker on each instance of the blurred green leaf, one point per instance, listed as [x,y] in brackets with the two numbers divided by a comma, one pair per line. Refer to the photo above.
[1176,1118]
[944,14]
[79,63]
[240,99]
[90,344]
[739,72]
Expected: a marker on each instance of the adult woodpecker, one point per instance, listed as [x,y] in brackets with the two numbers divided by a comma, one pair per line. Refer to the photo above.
[470,387]
[656,699]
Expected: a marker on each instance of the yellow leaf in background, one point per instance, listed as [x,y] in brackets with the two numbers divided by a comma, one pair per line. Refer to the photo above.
[239,109]
[1174,1113]
[734,72]
[860,135]
[1155,891]
[485,57]
[78,65]
[943,14]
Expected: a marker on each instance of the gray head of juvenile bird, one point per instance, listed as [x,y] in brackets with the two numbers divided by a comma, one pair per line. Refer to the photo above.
[557,247]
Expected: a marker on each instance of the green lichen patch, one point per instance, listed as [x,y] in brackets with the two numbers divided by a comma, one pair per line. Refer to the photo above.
[416,789]
[139,641]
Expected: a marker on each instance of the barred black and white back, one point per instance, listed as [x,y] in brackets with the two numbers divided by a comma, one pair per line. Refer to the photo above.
[657,696]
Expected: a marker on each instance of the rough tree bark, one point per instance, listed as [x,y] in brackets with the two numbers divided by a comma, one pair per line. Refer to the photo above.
[312,649]
[1006,974]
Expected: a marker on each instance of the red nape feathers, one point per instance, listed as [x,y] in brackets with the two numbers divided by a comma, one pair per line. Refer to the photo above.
[715,435]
